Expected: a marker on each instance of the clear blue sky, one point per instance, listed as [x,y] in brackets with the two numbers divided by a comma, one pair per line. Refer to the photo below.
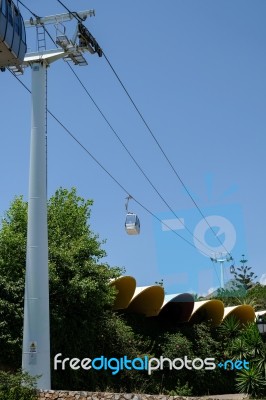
[196,70]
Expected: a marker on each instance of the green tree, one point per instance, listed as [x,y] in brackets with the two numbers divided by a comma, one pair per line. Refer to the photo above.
[80,294]
[230,297]
[12,267]
[19,386]
[175,345]
[206,344]
[247,345]
[83,323]
[243,275]
[258,294]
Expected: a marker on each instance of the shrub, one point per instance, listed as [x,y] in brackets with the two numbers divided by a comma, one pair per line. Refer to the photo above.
[17,386]
[251,382]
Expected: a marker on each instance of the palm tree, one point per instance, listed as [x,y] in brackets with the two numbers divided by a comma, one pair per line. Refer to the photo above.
[251,381]
[261,360]
[230,328]
[238,349]
[249,302]
[252,339]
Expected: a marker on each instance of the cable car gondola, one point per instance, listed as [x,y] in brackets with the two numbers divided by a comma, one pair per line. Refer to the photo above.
[12,35]
[132,224]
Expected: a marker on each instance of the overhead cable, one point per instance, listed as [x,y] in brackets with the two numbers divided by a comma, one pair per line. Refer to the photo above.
[161,149]
[109,174]
[79,19]
[134,160]
[156,140]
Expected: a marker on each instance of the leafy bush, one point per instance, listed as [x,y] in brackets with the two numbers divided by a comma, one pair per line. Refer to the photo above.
[181,390]
[18,386]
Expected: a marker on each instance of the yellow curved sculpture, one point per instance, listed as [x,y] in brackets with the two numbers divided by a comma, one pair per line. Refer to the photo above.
[147,300]
[151,301]
[208,310]
[125,286]
[243,313]
[177,306]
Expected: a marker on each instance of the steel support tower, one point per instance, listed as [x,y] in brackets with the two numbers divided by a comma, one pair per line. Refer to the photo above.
[36,326]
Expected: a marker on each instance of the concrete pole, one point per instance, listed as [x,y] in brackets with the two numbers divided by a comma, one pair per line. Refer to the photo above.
[36,330]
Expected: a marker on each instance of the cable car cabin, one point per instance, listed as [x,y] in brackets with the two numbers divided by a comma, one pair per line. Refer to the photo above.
[132,224]
[12,35]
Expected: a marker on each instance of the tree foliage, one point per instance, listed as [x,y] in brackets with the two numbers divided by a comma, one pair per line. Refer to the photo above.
[243,275]
[18,386]
[80,294]
[12,267]
[251,382]
[243,289]
[83,323]
[258,294]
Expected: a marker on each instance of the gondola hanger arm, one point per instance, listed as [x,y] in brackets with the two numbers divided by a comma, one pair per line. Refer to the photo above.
[127,201]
